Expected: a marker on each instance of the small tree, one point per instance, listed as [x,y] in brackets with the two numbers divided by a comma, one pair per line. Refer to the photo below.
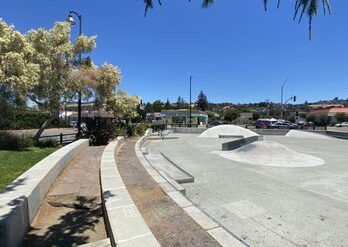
[341,117]
[230,114]
[202,101]
[256,115]
[157,106]
[181,104]
[148,108]
[168,105]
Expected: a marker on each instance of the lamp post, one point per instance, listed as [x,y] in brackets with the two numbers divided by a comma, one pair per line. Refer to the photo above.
[71,20]
[190,101]
[281,98]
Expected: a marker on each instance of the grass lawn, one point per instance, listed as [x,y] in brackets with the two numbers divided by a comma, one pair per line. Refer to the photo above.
[14,163]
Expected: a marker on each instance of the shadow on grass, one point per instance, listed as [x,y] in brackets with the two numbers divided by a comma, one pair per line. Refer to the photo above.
[71,228]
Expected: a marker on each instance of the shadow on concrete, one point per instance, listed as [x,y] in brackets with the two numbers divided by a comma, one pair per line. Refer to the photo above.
[72,227]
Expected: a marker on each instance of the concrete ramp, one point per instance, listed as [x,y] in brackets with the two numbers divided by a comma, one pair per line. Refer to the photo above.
[309,135]
[227,130]
[269,153]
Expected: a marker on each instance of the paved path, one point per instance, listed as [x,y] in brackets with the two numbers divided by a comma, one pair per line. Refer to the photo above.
[71,214]
[168,222]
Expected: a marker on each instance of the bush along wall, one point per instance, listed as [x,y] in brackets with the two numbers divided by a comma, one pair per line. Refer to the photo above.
[22,120]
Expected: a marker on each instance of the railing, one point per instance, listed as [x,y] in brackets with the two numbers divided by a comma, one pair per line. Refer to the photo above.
[60,138]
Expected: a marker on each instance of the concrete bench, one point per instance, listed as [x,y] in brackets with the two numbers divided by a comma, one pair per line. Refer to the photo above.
[124,223]
[21,200]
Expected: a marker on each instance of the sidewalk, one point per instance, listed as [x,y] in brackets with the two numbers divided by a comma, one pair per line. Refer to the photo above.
[169,223]
[71,214]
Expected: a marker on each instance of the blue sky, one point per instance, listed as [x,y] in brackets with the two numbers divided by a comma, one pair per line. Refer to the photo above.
[235,51]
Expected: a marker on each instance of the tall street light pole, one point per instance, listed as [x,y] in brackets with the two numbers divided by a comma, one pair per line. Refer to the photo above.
[281,98]
[190,101]
[71,20]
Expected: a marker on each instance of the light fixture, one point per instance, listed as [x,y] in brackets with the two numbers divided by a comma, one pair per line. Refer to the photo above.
[71,20]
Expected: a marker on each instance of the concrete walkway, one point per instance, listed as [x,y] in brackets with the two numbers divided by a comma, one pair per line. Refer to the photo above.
[71,213]
[169,223]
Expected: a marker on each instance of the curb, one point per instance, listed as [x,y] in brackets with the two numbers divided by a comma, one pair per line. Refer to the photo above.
[124,223]
[224,237]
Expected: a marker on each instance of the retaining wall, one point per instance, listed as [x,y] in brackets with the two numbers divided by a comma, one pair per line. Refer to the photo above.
[188,130]
[124,223]
[21,200]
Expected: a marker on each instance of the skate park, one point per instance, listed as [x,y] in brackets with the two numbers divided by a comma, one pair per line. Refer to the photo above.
[271,190]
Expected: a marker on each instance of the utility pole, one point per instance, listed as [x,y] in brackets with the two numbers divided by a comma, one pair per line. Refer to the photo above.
[281,99]
[190,101]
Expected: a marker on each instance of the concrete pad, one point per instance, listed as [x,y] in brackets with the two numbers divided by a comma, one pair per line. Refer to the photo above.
[127,223]
[201,218]
[269,205]
[112,182]
[224,238]
[115,198]
[166,187]
[145,240]
[180,199]
[100,243]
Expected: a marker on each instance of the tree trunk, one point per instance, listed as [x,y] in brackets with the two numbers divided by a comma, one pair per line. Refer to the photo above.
[43,127]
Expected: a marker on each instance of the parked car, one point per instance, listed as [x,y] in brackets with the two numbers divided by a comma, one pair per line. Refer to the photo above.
[294,126]
[260,124]
[344,124]
[284,125]
[73,123]
[279,125]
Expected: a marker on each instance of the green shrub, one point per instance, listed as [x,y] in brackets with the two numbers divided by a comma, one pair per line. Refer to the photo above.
[22,120]
[121,131]
[47,143]
[99,131]
[10,141]
[140,128]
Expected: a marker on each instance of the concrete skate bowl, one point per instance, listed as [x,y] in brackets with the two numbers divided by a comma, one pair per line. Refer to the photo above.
[227,130]
[307,135]
[269,153]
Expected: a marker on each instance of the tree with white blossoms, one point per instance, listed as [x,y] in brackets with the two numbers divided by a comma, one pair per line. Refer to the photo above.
[43,66]
[123,106]
[18,73]
[56,56]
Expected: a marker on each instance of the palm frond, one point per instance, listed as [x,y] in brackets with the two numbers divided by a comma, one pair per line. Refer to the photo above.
[302,7]
[207,3]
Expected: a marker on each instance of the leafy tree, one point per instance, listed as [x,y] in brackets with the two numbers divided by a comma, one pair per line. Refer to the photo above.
[168,105]
[123,106]
[308,7]
[230,114]
[56,57]
[341,117]
[157,106]
[180,103]
[43,66]
[202,101]
[18,73]
[213,116]
[148,108]
[256,115]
